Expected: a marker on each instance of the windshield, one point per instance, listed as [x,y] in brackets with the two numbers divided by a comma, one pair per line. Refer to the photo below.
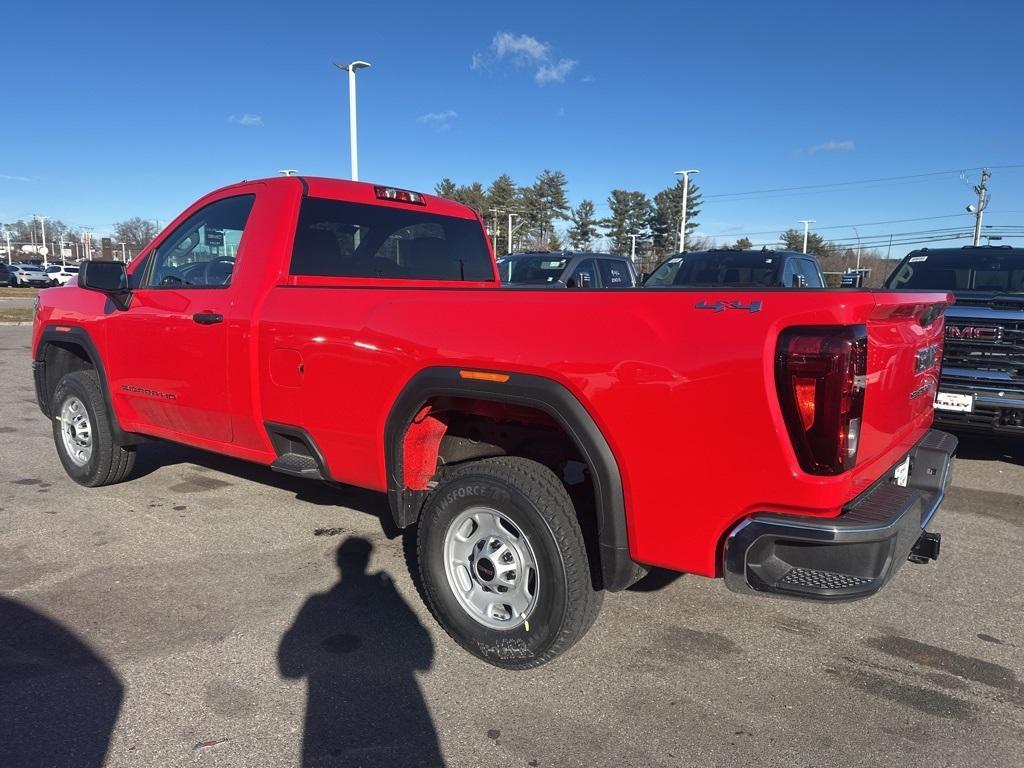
[710,268]
[992,271]
[541,269]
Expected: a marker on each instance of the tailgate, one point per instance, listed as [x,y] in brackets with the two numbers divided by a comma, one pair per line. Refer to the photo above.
[905,333]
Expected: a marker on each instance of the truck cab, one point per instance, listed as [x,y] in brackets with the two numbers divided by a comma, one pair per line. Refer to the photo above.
[733,268]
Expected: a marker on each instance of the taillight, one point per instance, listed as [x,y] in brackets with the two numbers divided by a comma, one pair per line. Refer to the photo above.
[820,373]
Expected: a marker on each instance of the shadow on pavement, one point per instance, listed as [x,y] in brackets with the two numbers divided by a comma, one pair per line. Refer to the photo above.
[59,700]
[656,580]
[991,448]
[359,646]
[158,453]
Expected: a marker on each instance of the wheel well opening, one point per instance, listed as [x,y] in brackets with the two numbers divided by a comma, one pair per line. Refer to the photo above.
[448,431]
[60,359]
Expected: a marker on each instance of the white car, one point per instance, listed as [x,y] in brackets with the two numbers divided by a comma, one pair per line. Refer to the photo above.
[29,274]
[59,275]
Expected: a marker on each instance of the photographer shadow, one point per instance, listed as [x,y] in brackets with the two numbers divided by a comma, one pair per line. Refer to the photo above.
[359,647]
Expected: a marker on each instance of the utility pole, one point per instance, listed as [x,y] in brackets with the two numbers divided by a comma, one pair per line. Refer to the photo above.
[807,227]
[686,195]
[42,227]
[352,137]
[982,190]
[497,227]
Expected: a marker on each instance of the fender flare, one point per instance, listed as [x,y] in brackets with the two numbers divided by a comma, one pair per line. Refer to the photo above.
[618,570]
[74,336]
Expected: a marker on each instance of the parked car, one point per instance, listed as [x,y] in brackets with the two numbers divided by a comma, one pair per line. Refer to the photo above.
[565,269]
[982,383]
[546,446]
[30,275]
[729,268]
[60,274]
[7,274]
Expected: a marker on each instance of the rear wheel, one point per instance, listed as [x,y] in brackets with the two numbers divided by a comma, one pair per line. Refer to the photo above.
[503,562]
[82,434]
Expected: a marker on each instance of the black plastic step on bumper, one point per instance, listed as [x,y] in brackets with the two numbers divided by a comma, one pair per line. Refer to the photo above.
[853,555]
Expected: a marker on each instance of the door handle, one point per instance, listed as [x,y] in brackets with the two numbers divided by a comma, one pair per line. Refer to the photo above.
[208,318]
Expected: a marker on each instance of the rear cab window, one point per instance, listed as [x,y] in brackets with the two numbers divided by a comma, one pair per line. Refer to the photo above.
[336,238]
[969,269]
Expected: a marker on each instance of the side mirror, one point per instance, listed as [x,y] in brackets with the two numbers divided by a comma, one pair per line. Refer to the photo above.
[103,276]
[109,277]
[799,281]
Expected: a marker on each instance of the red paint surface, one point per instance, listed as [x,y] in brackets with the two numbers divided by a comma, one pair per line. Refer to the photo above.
[685,397]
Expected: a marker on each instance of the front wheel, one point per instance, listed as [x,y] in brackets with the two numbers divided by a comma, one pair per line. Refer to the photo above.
[504,564]
[81,431]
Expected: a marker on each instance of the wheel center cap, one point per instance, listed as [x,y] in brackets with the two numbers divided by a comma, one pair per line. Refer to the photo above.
[485,569]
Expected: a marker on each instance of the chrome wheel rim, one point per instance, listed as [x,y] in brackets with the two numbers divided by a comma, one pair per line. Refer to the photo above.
[76,431]
[491,568]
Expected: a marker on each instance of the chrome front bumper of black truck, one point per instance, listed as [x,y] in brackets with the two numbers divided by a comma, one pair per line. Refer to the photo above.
[852,555]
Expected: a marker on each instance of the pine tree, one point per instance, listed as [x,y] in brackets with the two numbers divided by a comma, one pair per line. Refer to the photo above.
[472,195]
[743,244]
[446,188]
[793,240]
[502,199]
[630,215]
[584,227]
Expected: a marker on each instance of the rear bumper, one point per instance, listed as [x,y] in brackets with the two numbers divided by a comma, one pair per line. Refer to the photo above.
[850,556]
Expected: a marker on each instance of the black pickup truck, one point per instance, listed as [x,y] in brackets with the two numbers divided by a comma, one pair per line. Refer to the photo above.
[982,382]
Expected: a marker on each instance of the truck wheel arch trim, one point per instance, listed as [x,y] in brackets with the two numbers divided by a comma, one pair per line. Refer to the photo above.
[74,336]
[617,568]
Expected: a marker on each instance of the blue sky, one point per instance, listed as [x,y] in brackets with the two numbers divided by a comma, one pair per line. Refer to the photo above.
[137,109]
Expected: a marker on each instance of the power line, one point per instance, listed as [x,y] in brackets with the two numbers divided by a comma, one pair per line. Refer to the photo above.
[853,183]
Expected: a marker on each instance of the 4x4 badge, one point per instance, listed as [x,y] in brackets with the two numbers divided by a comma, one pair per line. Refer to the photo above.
[718,306]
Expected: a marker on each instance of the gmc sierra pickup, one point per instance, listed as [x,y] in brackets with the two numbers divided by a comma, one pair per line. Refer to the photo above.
[981,388]
[548,445]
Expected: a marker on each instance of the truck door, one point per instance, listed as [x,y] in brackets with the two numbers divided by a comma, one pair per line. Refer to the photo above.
[169,364]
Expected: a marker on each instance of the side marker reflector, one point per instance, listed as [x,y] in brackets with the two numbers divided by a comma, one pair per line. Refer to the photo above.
[501,378]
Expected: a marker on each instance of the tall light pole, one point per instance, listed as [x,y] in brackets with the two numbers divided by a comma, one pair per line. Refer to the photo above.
[686,194]
[510,230]
[42,227]
[352,137]
[807,227]
[7,235]
[632,248]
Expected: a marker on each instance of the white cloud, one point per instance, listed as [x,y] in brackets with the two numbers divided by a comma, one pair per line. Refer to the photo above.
[248,120]
[441,121]
[525,51]
[554,73]
[832,145]
[8,177]
[438,117]
[589,79]
[519,46]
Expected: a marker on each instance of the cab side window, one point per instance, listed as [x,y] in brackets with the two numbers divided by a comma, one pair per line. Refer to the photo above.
[201,251]
[809,270]
[615,274]
[584,276]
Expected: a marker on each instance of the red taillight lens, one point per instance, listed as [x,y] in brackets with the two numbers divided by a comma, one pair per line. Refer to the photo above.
[820,373]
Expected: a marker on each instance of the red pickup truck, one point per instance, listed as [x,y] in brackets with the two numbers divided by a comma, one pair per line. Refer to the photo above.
[548,445]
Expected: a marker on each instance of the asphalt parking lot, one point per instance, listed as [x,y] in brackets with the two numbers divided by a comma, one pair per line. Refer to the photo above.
[212,612]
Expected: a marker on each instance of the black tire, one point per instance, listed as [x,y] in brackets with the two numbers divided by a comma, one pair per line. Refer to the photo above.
[109,462]
[533,499]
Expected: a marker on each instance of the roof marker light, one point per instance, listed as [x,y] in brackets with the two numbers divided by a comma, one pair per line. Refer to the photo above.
[399,195]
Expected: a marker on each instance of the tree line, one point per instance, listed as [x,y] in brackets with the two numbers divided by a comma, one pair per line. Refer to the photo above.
[543,219]
[134,232]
